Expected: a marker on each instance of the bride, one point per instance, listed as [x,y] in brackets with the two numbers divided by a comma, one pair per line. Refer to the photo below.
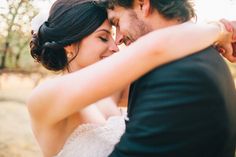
[67,118]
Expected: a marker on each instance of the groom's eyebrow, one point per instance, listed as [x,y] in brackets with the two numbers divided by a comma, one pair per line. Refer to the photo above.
[104,30]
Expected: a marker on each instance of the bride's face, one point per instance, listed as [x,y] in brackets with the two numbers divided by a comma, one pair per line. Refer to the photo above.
[96,46]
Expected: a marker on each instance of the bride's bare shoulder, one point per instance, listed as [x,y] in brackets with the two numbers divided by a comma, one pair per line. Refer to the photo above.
[37,101]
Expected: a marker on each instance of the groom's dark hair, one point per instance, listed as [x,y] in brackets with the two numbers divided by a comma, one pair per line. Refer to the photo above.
[170,9]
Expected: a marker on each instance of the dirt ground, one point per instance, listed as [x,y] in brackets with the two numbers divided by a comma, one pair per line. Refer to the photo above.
[16,137]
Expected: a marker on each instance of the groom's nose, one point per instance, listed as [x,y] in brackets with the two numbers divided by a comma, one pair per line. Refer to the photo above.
[119,37]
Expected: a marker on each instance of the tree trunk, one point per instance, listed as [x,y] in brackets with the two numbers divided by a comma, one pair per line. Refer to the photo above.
[10,24]
[5,50]
[18,55]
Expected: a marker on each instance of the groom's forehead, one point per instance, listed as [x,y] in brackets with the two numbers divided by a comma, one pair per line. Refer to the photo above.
[111,16]
[117,13]
[111,13]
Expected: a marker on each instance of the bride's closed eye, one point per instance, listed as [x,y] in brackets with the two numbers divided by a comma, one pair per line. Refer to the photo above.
[103,39]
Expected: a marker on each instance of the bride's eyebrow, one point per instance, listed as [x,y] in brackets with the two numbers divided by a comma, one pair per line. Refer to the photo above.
[103,30]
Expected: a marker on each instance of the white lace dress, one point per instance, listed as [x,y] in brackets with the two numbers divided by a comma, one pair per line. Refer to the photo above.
[93,140]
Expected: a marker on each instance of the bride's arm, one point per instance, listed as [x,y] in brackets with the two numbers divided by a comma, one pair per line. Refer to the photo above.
[55,100]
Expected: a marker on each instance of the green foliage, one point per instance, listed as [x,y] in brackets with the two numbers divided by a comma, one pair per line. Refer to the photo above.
[15,34]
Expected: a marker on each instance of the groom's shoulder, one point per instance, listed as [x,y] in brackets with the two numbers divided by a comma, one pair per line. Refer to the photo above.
[207,62]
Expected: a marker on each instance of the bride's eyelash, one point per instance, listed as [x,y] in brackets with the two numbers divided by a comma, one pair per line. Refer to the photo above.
[103,39]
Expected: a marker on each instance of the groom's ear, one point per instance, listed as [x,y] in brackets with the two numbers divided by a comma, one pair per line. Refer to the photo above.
[144,7]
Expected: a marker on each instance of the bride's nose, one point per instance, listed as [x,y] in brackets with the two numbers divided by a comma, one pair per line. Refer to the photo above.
[113,47]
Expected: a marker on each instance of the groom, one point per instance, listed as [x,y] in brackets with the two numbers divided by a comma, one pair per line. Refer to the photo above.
[183,109]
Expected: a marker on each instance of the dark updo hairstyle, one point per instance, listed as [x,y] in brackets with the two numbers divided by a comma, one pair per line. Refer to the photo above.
[69,22]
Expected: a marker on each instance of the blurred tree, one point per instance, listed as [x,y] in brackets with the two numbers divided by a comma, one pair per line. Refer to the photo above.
[15,34]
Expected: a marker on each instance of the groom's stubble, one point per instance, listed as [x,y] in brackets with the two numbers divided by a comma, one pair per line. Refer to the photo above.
[138,27]
[130,27]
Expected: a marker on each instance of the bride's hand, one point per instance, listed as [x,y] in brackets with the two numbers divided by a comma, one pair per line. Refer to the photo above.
[226,44]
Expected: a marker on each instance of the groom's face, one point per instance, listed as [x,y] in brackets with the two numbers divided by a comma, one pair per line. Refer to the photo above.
[128,26]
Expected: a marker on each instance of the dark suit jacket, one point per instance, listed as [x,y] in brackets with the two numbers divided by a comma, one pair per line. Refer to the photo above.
[182,109]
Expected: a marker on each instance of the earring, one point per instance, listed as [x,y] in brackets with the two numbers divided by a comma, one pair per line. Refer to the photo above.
[69,55]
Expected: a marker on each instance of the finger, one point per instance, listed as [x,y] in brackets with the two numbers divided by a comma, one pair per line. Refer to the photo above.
[229,53]
[228,49]
[232,59]
[227,24]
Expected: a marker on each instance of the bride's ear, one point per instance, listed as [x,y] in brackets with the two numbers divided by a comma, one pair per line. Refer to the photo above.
[69,51]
